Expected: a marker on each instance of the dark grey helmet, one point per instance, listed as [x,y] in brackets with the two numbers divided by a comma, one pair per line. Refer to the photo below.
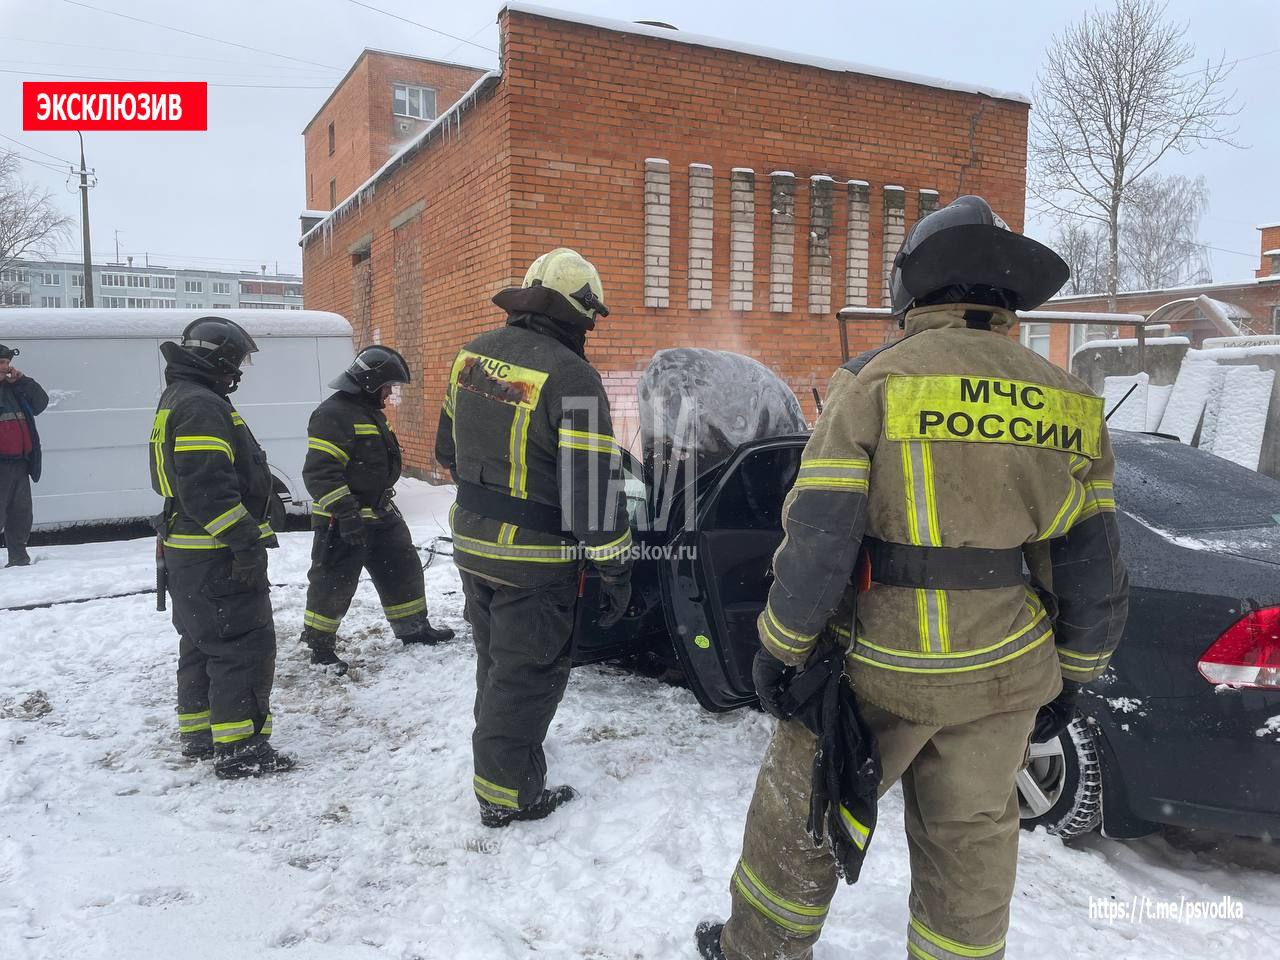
[372,369]
[964,253]
[218,345]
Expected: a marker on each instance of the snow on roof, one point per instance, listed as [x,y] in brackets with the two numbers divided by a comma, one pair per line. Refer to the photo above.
[1271,253]
[927,190]
[314,213]
[893,186]
[1195,287]
[782,173]
[859,183]
[657,160]
[365,189]
[1268,226]
[701,166]
[823,176]
[1131,342]
[1081,316]
[767,53]
[742,170]
[1238,353]
[72,324]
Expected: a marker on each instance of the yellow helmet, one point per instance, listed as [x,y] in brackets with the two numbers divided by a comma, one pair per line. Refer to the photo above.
[572,276]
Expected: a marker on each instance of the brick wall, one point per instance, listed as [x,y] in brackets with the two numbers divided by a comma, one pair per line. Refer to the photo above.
[1270,241]
[365,131]
[556,156]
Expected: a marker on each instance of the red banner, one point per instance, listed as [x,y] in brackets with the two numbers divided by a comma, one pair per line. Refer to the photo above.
[115,106]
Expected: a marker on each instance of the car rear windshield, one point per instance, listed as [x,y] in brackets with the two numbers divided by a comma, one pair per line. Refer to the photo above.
[1181,489]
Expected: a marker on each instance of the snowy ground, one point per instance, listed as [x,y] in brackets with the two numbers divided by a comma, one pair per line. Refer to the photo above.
[112,846]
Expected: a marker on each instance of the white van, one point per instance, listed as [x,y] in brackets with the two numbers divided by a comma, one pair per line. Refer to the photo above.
[104,373]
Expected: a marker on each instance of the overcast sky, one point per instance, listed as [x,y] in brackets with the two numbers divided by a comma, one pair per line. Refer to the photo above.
[230,197]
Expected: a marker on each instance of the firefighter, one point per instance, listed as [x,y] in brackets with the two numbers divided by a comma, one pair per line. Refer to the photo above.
[526,433]
[22,399]
[217,487]
[353,463]
[947,457]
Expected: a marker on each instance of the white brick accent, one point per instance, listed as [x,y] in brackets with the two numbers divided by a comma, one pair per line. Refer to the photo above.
[782,241]
[927,203]
[657,233]
[701,234]
[858,247]
[895,231]
[821,214]
[742,238]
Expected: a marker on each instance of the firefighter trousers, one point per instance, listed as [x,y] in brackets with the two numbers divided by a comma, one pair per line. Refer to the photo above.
[961,813]
[523,638]
[227,648]
[392,560]
[15,507]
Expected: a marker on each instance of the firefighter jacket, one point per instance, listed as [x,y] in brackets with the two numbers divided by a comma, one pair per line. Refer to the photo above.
[209,468]
[20,403]
[353,459]
[955,437]
[526,419]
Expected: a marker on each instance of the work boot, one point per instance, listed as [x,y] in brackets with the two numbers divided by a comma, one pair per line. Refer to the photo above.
[707,936]
[492,815]
[251,760]
[429,635]
[322,650]
[19,557]
[198,746]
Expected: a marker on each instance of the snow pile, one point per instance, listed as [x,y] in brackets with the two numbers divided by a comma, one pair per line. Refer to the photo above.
[1239,408]
[1128,411]
[112,846]
[1196,380]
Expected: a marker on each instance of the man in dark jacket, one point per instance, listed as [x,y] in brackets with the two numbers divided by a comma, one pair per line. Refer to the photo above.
[526,433]
[21,401]
[353,463]
[216,487]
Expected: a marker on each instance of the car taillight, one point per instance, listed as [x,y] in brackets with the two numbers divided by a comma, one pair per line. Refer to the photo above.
[1248,653]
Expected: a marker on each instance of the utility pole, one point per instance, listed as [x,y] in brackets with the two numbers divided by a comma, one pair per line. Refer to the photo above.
[84,227]
[116,234]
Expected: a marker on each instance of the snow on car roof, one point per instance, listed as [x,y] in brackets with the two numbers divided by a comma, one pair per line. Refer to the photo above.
[71,324]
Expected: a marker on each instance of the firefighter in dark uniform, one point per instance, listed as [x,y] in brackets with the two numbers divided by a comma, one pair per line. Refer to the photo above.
[217,487]
[527,435]
[951,457]
[353,463]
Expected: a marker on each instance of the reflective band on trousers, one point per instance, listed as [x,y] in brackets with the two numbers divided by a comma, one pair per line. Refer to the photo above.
[193,722]
[399,611]
[490,792]
[195,541]
[610,550]
[1025,640]
[231,732]
[928,945]
[319,622]
[796,917]
[1083,667]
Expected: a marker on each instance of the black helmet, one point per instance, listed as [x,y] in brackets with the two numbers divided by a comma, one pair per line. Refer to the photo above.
[372,369]
[964,253]
[8,353]
[218,345]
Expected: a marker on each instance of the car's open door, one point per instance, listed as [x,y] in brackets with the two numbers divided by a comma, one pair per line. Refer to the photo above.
[716,579]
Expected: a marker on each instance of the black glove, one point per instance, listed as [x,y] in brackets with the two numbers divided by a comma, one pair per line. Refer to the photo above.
[1055,715]
[248,565]
[771,677]
[351,529]
[616,594]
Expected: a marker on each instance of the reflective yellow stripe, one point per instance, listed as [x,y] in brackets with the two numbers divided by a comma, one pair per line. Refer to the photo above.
[774,634]
[265,531]
[401,610]
[159,428]
[829,474]
[194,444]
[924,528]
[525,553]
[519,480]
[324,446]
[448,403]
[236,419]
[366,429]
[193,541]
[1023,641]
[586,441]
[937,947]
[231,732]
[858,831]
[266,726]
[507,533]
[193,722]
[499,796]
[333,496]
[224,521]
[1099,498]
[796,917]
[319,622]
[610,550]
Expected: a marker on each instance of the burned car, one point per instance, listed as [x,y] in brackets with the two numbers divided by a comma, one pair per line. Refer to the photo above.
[1183,729]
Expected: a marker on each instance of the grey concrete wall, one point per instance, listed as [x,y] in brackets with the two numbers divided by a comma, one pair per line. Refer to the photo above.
[1095,364]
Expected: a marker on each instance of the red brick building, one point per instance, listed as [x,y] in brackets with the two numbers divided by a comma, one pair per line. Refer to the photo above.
[731,197]
[1258,296]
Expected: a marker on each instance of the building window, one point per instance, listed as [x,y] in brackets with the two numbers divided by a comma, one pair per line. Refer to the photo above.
[331,138]
[1275,264]
[76,303]
[1035,336]
[416,102]
[113,303]
[166,304]
[11,299]
[1275,319]
[136,280]
[333,194]
[222,306]
[55,302]
[221,286]
[194,286]
[77,279]
[13,276]
[50,279]
[113,280]
[164,283]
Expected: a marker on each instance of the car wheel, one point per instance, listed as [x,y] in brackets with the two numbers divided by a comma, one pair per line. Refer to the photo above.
[277,517]
[1061,787]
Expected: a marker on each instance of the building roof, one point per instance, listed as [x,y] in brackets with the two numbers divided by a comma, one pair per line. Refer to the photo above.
[61,324]
[1193,288]
[767,53]
[383,53]
[1268,226]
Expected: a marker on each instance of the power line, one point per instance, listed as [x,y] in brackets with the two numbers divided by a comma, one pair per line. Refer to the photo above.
[27,146]
[199,36]
[1252,56]
[40,163]
[246,86]
[161,70]
[471,37]
[396,16]
[147,53]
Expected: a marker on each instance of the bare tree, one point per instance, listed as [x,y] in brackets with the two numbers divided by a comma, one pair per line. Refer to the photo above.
[1117,92]
[29,221]
[1083,245]
[1159,233]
